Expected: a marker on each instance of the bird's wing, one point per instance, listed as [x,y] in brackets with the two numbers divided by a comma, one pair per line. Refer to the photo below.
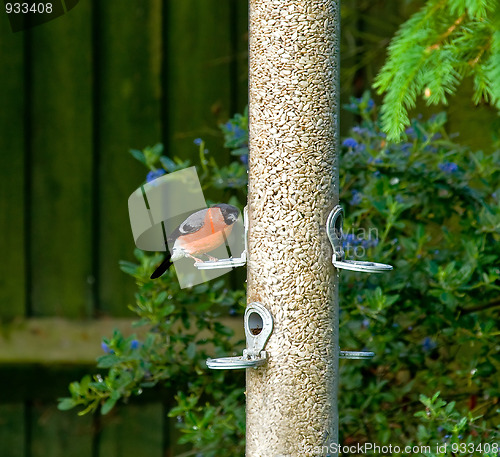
[191,225]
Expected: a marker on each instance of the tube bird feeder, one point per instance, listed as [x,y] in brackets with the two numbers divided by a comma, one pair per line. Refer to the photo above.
[293,186]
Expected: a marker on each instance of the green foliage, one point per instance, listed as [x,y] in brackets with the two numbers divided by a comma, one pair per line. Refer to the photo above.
[446,41]
[184,328]
[432,321]
[429,207]
[208,426]
[236,134]
[447,431]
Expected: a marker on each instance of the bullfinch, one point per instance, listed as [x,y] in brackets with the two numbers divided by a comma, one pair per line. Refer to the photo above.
[202,232]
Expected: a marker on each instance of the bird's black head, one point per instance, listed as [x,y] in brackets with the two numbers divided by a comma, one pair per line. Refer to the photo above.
[229,212]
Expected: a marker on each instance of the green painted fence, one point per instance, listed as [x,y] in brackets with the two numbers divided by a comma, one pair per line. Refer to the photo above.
[38,429]
[77,93]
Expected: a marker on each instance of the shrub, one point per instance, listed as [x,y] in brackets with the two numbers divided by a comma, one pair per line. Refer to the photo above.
[429,207]
[432,321]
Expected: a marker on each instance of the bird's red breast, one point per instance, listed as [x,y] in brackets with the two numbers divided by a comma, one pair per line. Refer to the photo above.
[209,237]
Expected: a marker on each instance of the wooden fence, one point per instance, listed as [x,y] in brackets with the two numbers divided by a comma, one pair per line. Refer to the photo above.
[77,93]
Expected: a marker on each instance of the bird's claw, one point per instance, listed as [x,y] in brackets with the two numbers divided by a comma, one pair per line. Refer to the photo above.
[196,259]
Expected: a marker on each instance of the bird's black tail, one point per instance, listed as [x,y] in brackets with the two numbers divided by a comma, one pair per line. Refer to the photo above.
[163,267]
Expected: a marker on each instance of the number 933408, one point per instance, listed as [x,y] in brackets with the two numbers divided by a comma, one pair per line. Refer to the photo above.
[26,8]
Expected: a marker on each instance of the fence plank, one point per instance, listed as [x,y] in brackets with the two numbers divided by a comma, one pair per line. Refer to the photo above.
[12,268]
[54,341]
[60,433]
[61,165]
[12,430]
[128,117]
[198,73]
[134,430]
[240,78]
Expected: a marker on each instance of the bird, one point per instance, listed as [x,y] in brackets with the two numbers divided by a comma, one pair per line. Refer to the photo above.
[201,232]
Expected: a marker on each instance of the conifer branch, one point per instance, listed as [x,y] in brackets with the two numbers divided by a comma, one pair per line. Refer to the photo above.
[447,33]
[428,57]
[482,50]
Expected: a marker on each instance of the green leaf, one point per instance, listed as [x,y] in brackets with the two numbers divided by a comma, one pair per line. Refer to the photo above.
[128,267]
[85,384]
[74,389]
[450,407]
[462,423]
[108,406]
[168,164]
[157,149]
[138,155]
[167,310]
[191,350]
[65,404]
[107,361]
[239,151]
[161,297]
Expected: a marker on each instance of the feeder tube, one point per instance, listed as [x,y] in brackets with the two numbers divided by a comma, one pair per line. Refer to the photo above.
[293,185]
